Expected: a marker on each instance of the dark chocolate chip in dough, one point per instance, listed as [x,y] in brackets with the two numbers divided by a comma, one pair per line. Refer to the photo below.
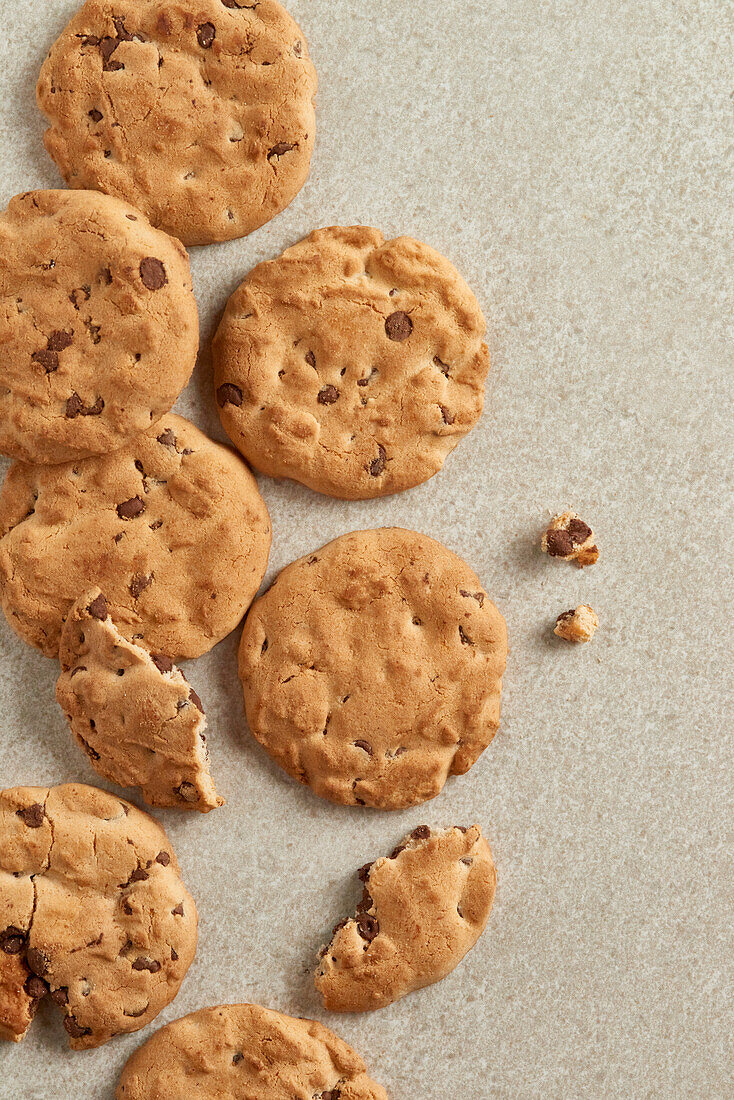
[131,508]
[398,326]
[228,394]
[205,35]
[32,816]
[153,273]
[98,608]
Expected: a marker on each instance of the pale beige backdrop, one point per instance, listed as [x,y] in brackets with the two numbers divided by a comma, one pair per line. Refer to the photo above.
[570,158]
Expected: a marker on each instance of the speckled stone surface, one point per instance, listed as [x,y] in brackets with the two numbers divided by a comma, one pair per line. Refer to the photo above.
[569,158]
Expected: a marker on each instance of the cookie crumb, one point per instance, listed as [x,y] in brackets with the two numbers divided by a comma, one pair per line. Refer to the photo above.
[569,538]
[577,625]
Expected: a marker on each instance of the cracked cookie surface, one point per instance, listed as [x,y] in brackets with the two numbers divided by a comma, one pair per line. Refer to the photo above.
[246,1052]
[201,113]
[133,713]
[351,364]
[93,913]
[372,668]
[99,329]
[423,908]
[171,527]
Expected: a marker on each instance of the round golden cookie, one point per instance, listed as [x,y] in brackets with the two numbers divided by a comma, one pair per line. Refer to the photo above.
[423,908]
[372,669]
[93,913]
[246,1052]
[350,363]
[199,112]
[171,527]
[98,325]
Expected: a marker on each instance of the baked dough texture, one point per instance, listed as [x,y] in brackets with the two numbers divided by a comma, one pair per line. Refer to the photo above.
[171,527]
[423,908]
[134,713]
[372,668]
[351,364]
[98,325]
[93,912]
[245,1052]
[198,112]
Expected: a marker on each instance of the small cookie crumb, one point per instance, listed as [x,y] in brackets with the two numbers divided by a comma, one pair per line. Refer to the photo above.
[569,538]
[577,625]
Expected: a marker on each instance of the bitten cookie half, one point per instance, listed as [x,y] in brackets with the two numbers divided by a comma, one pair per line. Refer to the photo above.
[98,325]
[372,669]
[133,713]
[171,527]
[423,908]
[245,1052]
[199,112]
[93,913]
[351,364]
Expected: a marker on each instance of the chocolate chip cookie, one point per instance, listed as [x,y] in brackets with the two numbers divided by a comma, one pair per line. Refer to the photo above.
[245,1052]
[98,325]
[93,913]
[134,713]
[423,908]
[171,527]
[350,363]
[199,112]
[372,669]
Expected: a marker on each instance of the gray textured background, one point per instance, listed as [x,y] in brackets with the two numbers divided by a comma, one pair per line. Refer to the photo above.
[570,158]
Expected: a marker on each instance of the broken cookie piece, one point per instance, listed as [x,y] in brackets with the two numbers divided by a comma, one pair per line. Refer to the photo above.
[569,538]
[133,712]
[577,625]
[423,908]
[93,913]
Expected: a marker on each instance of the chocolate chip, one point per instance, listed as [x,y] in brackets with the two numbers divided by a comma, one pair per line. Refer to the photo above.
[364,872]
[49,360]
[461,828]
[35,988]
[229,394]
[328,395]
[478,596]
[131,508]
[38,961]
[310,359]
[137,1015]
[364,745]
[162,663]
[330,1094]
[167,438]
[91,753]
[144,963]
[559,543]
[239,1056]
[377,465]
[396,851]
[178,910]
[365,902]
[138,875]
[421,833]
[205,34]
[196,700]
[32,816]
[579,531]
[76,1030]
[139,583]
[174,955]
[58,341]
[98,608]
[163,858]
[367,926]
[60,996]
[398,326]
[188,792]
[465,639]
[466,860]
[12,940]
[76,407]
[153,273]
[443,367]
[75,295]
[279,149]
[448,417]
